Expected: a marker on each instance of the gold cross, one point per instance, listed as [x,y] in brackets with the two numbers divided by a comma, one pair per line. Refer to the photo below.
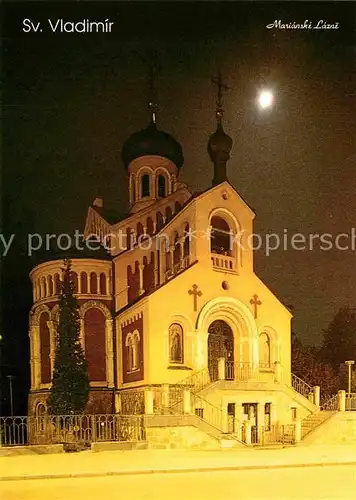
[255,302]
[195,294]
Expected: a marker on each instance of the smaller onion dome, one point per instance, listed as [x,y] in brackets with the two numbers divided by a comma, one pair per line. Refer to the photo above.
[219,145]
[151,141]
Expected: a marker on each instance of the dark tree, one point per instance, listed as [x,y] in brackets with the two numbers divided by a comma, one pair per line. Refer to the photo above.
[70,384]
[307,365]
[340,339]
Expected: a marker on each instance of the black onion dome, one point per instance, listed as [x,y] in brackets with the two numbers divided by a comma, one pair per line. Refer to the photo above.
[220,144]
[151,141]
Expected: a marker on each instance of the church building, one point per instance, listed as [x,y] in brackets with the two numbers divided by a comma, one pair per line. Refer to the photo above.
[174,320]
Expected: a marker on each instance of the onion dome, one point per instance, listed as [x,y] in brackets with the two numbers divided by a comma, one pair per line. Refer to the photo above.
[219,148]
[151,141]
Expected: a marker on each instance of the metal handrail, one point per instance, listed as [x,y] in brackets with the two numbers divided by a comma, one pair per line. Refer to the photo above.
[301,386]
[331,403]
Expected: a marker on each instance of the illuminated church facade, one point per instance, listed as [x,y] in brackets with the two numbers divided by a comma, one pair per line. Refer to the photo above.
[174,321]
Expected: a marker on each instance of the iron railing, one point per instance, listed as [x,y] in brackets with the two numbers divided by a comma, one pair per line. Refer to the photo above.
[273,434]
[242,371]
[53,429]
[208,412]
[331,404]
[300,386]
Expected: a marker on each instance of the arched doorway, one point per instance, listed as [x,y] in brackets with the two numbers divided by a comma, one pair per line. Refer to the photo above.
[220,345]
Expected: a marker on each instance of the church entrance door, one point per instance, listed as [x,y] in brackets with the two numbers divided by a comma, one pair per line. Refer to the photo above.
[220,345]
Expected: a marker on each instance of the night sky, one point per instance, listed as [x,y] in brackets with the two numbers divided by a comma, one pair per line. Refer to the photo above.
[70,100]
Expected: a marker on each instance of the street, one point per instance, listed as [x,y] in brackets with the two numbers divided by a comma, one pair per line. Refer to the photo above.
[310,482]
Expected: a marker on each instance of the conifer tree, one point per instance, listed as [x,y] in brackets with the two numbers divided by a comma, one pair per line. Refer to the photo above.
[70,385]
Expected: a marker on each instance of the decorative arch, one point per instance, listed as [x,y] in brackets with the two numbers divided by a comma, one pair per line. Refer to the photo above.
[234,230]
[239,318]
[37,311]
[94,304]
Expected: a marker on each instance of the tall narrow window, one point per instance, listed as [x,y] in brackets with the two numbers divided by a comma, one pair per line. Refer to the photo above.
[145,186]
[221,236]
[132,342]
[265,351]
[175,343]
[161,186]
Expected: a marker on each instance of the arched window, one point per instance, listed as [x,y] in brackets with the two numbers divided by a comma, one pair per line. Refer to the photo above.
[132,341]
[159,221]
[102,283]
[40,413]
[75,282]
[44,284]
[175,343]
[50,285]
[149,225]
[57,284]
[93,283]
[220,237]
[145,186]
[177,252]
[45,349]
[177,207]
[168,213]
[161,186]
[95,351]
[265,350]
[187,237]
[83,282]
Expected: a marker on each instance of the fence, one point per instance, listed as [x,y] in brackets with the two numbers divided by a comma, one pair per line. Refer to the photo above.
[350,402]
[274,434]
[52,429]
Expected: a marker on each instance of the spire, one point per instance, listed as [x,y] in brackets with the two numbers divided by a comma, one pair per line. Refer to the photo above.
[220,144]
[153,70]
[219,102]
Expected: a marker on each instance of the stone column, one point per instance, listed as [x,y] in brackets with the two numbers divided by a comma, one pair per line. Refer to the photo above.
[162,261]
[32,363]
[117,402]
[109,352]
[148,401]
[154,227]
[260,417]
[187,405]
[181,244]
[277,372]
[141,290]
[247,431]
[273,411]
[221,369]
[171,257]
[298,430]
[341,400]
[98,283]
[316,390]
[36,356]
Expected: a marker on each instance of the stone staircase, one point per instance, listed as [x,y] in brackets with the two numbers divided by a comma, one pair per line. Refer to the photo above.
[311,422]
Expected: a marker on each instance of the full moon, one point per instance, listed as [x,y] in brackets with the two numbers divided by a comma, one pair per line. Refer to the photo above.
[265,99]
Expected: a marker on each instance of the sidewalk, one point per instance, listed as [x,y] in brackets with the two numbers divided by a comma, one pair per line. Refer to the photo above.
[90,464]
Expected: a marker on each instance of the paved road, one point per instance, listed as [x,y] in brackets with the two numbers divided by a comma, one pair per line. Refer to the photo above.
[308,483]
